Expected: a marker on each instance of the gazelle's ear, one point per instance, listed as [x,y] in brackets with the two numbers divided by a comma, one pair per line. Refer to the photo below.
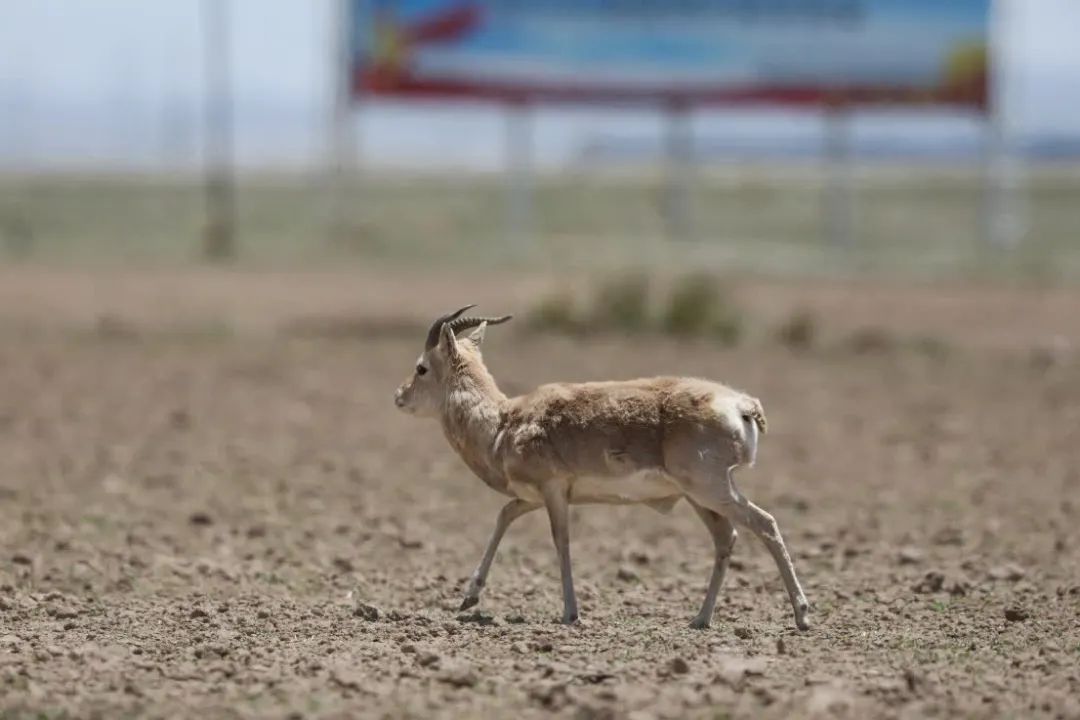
[448,343]
[476,337]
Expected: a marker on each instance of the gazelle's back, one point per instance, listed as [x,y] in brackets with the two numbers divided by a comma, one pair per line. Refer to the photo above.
[621,427]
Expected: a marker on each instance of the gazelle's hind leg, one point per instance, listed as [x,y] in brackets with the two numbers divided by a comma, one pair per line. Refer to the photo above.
[723,536]
[721,496]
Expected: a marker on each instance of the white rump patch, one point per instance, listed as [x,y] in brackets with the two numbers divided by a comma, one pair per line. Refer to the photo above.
[727,407]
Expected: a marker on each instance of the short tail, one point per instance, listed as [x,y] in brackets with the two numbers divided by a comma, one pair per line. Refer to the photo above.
[753,416]
[752,411]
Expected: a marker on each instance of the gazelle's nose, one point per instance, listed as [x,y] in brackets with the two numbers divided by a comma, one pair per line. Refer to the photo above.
[399,398]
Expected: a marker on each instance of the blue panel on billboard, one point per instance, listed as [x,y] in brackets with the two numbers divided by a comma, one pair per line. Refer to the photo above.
[694,51]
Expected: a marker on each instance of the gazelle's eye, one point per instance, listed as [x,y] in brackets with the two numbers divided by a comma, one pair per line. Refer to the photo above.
[420,370]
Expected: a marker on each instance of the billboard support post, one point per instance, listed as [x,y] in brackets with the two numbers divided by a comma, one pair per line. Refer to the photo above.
[1001,216]
[679,152]
[219,238]
[839,178]
[1002,224]
[341,149]
[518,155]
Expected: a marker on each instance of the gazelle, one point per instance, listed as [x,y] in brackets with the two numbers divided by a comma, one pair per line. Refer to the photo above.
[651,441]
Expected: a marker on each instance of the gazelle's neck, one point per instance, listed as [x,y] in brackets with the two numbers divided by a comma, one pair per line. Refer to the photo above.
[470,417]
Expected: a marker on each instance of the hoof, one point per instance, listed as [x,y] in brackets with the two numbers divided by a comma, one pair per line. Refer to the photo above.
[699,623]
[569,619]
[800,617]
[468,602]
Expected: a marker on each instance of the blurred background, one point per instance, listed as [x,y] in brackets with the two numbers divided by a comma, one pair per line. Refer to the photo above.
[119,115]
[226,226]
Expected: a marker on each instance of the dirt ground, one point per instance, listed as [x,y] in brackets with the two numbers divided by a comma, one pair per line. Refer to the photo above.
[209,521]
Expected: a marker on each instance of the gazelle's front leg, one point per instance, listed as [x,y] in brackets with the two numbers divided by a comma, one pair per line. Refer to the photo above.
[510,512]
[723,537]
[558,507]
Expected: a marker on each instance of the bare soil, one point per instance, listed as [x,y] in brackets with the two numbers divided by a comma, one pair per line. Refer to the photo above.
[203,521]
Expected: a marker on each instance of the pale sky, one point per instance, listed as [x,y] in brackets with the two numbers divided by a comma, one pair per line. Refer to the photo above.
[120,67]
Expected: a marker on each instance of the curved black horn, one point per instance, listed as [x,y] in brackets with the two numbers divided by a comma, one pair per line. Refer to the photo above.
[436,327]
[471,322]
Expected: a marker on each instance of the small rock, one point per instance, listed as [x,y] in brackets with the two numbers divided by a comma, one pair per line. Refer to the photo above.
[911,679]
[625,574]
[348,679]
[639,558]
[733,670]
[262,614]
[427,658]
[515,619]
[959,587]
[932,582]
[458,676]
[367,612]
[595,678]
[343,564]
[200,518]
[1010,571]
[552,696]
[21,559]
[781,646]
[1016,614]
[948,536]
[180,419]
[910,556]
[477,618]
[678,666]
[743,632]
[198,613]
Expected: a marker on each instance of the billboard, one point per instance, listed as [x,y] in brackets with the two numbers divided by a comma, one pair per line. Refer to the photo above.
[675,51]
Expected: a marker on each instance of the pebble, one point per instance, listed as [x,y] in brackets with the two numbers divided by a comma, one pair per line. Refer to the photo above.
[910,556]
[932,582]
[200,518]
[367,612]
[1010,571]
[458,676]
[1016,614]
[678,666]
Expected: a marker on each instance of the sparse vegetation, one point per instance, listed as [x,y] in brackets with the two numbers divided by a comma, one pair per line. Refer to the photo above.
[799,331]
[871,340]
[696,307]
[622,304]
[556,312]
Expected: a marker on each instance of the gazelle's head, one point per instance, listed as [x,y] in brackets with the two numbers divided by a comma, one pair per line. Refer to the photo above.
[444,355]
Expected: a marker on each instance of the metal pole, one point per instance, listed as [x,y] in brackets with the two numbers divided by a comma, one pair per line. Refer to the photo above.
[839,179]
[519,168]
[341,149]
[219,240]
[1003,222]
[679,151]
